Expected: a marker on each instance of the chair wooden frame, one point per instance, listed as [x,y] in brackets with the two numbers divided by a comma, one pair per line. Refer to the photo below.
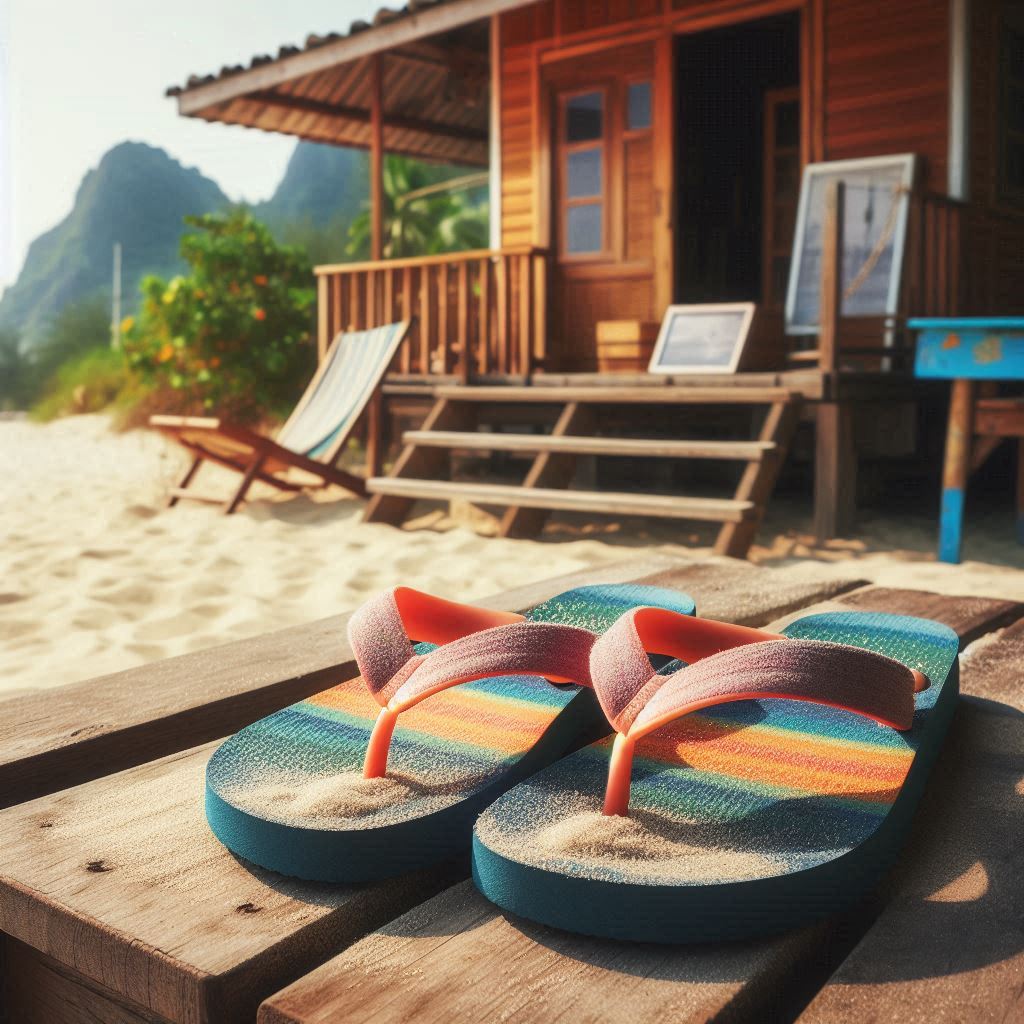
[258,457]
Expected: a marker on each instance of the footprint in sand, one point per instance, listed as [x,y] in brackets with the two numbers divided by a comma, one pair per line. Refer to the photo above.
[11,598]
[104,553]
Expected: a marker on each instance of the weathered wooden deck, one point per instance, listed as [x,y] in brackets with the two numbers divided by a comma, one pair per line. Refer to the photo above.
[117,905]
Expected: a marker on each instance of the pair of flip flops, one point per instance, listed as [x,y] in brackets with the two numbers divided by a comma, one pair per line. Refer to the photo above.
[751,782]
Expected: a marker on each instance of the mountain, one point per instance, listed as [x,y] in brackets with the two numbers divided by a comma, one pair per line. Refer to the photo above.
[321,185]
[138,196]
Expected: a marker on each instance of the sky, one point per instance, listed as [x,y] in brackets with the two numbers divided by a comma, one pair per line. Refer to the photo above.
[76,78]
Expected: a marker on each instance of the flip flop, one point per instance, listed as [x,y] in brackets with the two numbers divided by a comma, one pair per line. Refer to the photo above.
[329,790]
[752,791]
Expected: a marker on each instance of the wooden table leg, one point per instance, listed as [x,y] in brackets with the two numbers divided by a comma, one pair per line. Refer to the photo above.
[959,437]
[1020,490]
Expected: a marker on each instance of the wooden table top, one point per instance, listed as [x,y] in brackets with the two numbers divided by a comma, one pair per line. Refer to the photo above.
[117,904]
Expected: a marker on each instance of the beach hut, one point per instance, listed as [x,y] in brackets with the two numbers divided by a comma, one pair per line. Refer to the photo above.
[645,153]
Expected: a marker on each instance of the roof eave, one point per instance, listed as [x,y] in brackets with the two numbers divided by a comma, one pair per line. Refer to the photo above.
[402,30]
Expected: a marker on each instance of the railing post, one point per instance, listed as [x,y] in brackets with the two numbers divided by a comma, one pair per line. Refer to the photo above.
[322,318]
[831,303]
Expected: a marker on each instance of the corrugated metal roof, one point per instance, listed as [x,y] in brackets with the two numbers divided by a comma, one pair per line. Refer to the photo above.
[384,16]
[435,91]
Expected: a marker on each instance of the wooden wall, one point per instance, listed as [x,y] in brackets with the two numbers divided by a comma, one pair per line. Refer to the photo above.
[886,71]
[882,68]
[994,264]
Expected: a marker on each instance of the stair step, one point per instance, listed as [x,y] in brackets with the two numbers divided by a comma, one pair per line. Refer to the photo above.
[743,451]
[719,510]
[665,395]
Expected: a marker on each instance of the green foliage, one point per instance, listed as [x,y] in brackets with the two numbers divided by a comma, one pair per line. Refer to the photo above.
[232,334]
[88,382]
[421,224]
[16,371]
[79,327]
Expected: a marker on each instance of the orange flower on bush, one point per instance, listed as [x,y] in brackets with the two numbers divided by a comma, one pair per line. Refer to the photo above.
[260,314]
[215,362]
[166,352]
[260,279]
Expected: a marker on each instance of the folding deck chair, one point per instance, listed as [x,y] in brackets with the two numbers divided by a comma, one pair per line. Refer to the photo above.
[314,434]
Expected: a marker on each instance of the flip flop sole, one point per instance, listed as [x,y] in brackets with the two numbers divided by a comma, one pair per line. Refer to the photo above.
[745,819]
[287,792]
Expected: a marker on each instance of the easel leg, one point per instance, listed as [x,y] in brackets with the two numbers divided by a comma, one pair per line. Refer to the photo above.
[959,438]
[185,480]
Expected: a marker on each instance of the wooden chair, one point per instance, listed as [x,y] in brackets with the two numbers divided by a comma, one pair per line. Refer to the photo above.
[313,436]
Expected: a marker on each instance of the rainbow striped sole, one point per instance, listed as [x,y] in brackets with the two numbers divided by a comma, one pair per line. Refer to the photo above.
[287,792]
[746,818]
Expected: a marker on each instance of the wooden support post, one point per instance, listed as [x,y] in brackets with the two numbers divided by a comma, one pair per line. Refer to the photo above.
[376,161]
[835,471]
[374,434]
[831,303]
[959,438]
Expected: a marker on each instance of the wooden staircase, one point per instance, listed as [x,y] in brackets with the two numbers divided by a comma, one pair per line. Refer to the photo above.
[423,468]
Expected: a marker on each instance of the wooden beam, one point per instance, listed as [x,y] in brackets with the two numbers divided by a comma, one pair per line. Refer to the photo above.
[400,32]
[305,105]
[376,160]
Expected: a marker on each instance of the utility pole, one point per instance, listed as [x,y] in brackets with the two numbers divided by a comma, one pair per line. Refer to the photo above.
[115,322]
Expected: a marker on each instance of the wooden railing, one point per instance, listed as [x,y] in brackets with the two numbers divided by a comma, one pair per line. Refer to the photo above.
[474,313]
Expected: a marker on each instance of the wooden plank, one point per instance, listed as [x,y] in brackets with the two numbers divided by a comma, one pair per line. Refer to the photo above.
[606,502]
[134,912]
[122,880]
[460,958]
[613,395]
[65,736]
[950,941]
[741,451]
[549,468]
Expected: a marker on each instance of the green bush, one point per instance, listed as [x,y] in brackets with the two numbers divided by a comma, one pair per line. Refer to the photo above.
[233,335]
[88,382]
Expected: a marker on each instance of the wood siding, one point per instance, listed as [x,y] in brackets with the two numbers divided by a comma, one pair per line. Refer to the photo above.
[887,82]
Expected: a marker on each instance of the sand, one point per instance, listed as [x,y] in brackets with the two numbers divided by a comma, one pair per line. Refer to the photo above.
[97,576]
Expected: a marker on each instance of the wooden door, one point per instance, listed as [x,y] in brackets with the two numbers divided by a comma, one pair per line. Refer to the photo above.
[602,210]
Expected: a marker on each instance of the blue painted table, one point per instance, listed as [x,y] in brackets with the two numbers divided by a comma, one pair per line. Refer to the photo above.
[966,351]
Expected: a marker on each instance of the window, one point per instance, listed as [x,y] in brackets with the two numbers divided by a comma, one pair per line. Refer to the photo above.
[583,167]
[1011,111]
[638,106]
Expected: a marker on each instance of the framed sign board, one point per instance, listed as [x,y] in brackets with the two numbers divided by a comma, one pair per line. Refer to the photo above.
[702,339]
[877,202]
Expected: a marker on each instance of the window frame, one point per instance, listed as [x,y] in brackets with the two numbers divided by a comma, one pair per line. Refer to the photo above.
[565,148]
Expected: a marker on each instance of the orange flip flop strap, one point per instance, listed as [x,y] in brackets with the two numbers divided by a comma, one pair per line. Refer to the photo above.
[621,669]
[815,671]
[382,631]
[558,653]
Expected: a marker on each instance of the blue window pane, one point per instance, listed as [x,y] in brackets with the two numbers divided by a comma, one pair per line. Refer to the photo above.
[584,174]
[583,117]
[638,106]
[583,228]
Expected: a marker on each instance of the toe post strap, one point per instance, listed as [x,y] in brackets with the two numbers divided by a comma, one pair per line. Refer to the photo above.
[382,633]
[818,672]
